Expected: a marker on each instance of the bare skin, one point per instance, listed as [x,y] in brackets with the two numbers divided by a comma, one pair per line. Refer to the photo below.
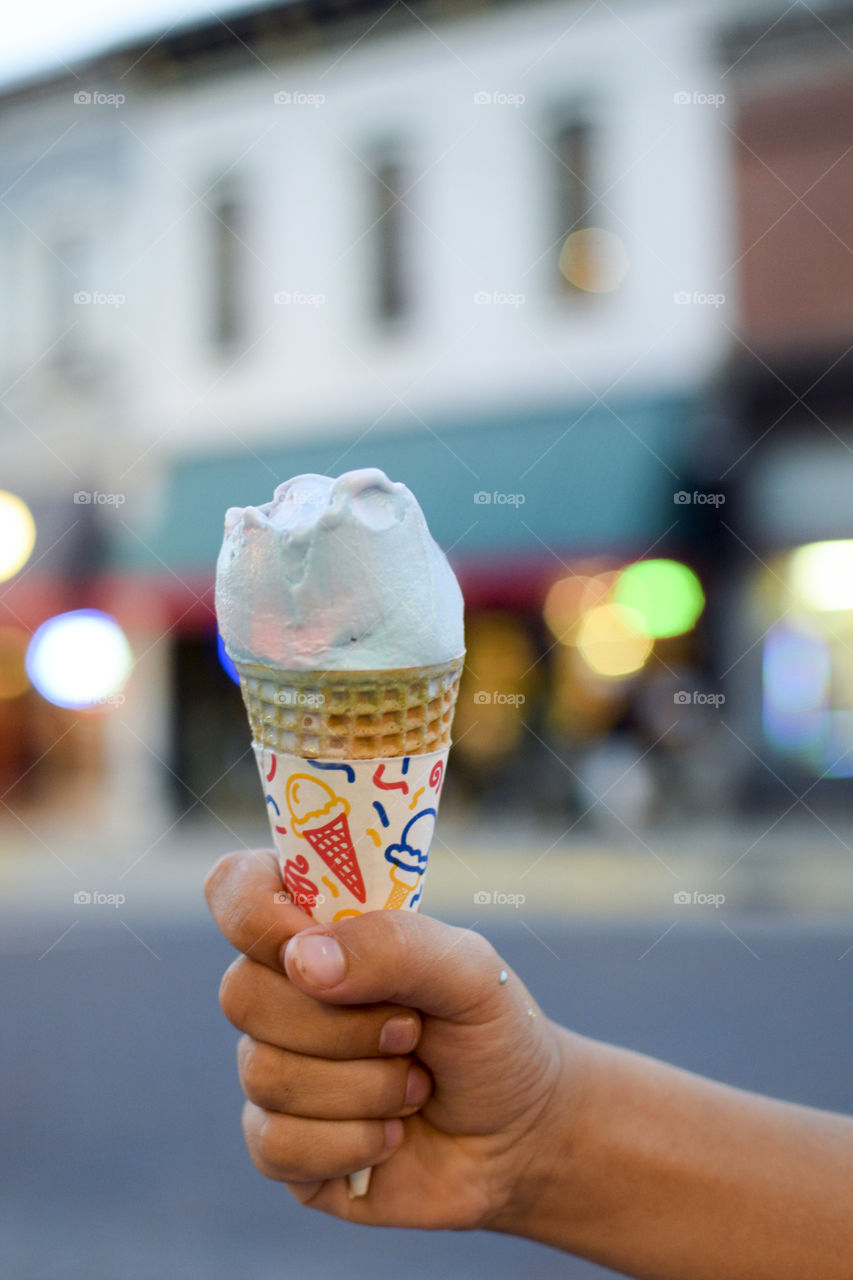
[402,1049]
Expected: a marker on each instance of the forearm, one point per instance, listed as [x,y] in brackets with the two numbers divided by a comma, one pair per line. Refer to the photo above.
[667,1176]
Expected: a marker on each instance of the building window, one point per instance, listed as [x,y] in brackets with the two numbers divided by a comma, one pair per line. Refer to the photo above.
[67,304]
[573,200]
[227,313]
[392,299]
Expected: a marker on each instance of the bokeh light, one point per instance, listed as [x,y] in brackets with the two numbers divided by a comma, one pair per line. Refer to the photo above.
[796,669]
[569,598]
[594,260]
[796,674]
[667,595]
[80,659]
[227,663]
[821,575]
[17,534]
[612,640]
[13,669]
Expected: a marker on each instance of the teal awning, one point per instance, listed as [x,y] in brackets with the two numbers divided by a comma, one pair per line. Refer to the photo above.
[588,479]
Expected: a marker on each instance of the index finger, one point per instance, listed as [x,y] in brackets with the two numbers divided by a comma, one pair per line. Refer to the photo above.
[243,891]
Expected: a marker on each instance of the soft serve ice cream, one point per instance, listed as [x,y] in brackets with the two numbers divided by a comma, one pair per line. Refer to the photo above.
[336,575]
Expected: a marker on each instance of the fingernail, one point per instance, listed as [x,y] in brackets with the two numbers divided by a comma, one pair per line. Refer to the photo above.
[393,1133]
[399,1035]
[318,958]
[417,1087]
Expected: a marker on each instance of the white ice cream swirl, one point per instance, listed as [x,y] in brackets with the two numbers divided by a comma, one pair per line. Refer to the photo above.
[336,575]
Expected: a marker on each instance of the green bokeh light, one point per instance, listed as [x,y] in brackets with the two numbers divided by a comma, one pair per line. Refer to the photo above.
[665,593]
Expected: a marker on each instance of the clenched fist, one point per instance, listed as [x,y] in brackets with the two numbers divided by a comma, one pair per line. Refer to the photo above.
[389,1040]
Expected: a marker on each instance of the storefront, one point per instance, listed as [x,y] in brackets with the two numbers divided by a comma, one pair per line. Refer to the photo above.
[540,515]
[799,600]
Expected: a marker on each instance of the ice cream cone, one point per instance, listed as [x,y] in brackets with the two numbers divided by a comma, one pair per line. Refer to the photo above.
[339,612]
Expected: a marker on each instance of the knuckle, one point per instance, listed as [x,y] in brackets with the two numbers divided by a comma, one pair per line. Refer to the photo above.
[247,1066]
[269,1143]
[242,924]
[279,1153]
[262,1131]
[482,949]
[217,874]
[232,992]
[263,1080]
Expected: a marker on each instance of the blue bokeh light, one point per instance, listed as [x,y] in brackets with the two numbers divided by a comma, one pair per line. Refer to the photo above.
[227,664]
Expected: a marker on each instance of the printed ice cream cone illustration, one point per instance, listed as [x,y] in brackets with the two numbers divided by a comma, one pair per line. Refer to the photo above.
[408,857]
[403,883]
[320,817]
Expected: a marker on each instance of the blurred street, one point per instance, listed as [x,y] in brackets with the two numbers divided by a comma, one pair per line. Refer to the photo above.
[800,864]
[123,1157]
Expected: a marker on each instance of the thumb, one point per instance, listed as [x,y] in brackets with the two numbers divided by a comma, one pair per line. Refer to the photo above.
[403,958]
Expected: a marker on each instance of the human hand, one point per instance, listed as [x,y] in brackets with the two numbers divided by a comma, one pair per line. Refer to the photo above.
[326,1092]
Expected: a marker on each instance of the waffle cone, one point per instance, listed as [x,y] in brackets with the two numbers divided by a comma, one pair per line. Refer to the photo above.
[351,715]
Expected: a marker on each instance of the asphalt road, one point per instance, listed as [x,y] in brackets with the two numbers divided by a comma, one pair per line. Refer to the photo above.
[121,1150]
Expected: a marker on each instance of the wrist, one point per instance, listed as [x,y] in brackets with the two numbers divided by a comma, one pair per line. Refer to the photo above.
[546,1164]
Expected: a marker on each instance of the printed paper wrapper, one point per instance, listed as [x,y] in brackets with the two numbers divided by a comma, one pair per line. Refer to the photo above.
[352,836]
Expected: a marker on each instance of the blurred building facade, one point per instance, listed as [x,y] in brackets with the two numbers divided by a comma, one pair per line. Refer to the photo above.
[791,376]
[527,259]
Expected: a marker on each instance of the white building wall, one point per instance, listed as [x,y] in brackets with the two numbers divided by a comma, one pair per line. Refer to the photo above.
[481,222]
[135,179]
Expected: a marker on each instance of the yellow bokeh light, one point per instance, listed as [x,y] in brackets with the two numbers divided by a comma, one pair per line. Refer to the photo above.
[562,609]
[13,672]
[17,534]
[821,574]
[568,599]
[612,641]
[594,260]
